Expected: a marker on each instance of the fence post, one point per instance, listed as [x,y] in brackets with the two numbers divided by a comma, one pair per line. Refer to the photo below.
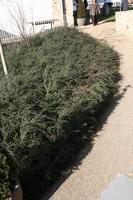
[3,59]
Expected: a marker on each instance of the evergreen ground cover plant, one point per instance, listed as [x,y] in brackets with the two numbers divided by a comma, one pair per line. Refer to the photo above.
[81,13]
[56,90]
[8,174]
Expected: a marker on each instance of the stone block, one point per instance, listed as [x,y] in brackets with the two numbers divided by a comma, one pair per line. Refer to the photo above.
[57,8]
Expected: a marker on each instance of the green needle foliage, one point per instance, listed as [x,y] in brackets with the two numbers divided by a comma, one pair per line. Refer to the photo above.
[50,104]
[8,174]
[81,9]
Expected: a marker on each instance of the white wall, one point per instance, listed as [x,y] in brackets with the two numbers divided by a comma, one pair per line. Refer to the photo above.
[33,10]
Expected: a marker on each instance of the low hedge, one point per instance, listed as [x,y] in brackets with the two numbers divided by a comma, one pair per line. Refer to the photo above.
[50,104]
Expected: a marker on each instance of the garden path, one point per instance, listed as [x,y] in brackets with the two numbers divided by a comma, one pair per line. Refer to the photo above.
[112,151]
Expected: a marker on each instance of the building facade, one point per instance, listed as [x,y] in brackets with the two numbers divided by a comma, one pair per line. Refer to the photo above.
[34,11]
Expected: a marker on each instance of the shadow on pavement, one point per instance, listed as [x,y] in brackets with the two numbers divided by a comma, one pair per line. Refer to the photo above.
[78,161]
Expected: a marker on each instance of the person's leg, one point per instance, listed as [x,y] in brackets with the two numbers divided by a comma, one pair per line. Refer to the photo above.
[75,18]
[93,20]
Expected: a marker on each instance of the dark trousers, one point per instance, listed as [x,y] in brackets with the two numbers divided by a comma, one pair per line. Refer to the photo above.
[94,20]
[75,18]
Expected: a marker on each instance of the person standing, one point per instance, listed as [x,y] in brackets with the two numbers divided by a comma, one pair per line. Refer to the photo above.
[94,10]
[85,3]
[75,8]
[124,5]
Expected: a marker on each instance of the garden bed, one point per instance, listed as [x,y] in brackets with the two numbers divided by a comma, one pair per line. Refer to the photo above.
[59,85]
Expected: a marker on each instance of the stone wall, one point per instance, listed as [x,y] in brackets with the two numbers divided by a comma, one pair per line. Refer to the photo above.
[57,9]
[124,21]
[69,12]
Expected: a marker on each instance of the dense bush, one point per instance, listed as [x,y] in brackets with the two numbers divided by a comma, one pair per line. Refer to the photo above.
[81,13]
[50,104]
[8,174]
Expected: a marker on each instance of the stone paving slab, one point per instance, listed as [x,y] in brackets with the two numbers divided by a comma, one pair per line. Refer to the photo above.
[120,189]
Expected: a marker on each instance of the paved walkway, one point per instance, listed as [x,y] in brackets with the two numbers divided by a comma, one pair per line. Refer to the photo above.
[113,148]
